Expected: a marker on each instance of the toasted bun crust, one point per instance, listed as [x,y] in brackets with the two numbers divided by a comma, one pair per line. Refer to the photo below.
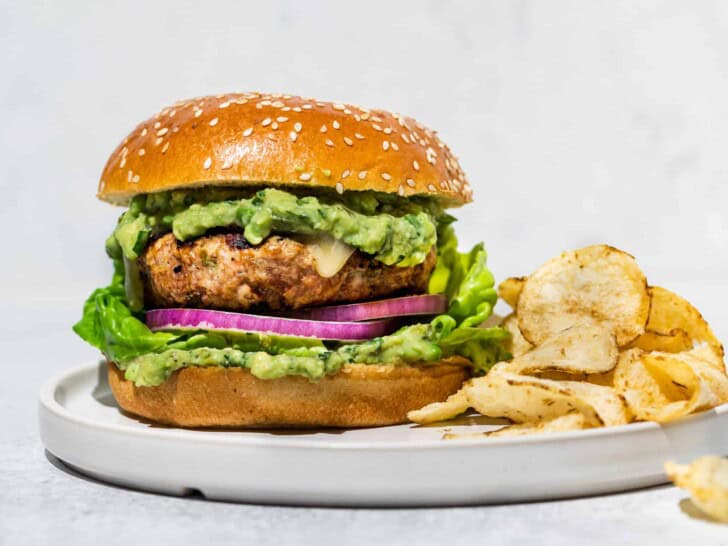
[281,140]
[358,396]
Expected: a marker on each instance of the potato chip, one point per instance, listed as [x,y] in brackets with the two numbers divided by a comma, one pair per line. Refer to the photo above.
[442,411]
[669,311]
[663,387]
[517,345]
[524,399]
[565,423]
[707,481]
[597,283]
[510,289]
[674,341]
[606,402]
[583,348]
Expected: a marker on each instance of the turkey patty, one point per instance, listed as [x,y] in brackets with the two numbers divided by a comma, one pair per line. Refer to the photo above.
[223,271]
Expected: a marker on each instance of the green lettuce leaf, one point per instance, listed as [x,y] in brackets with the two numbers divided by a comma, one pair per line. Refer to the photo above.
[469,285]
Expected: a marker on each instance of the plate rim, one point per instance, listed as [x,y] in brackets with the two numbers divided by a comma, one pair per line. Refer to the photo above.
[47,401]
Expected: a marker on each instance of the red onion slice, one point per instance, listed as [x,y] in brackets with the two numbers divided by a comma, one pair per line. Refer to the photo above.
[205,319]
[431,304]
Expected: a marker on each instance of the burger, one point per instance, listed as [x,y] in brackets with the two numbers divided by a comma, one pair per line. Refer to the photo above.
[287,262]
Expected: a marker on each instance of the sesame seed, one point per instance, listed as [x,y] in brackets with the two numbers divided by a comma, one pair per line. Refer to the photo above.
[376,127]
[165,147]
[122,162]
[359,136]
[297,127]
[431,155]
[362,175]
[395,147]
[266,122]
[141,151]
[293,135]
[306,106]
[431,187]
[208,163]
[346,173]
[296,108]
[227,164]
[282,119]
[158,141]
[400,190]
[339,107]
[198,113]
[135,179]
[404,137]
[305,176]
[329,142]
[377,118]
[336,124]
[213,122]
[339,187]
[323,129]
[224,105]
[129,175]
[385,145]
[274,125]
[286,109]
[348,141]
[277,104]
[416,165]
[410,183]
[157,125]
[248,131]
[386,176]
[144,131]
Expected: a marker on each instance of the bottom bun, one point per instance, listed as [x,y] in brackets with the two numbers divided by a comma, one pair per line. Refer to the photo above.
[359,395]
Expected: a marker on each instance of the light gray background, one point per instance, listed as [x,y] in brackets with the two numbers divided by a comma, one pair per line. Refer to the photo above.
[577,122]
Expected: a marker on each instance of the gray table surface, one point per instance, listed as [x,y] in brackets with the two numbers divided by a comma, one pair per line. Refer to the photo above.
[41,502]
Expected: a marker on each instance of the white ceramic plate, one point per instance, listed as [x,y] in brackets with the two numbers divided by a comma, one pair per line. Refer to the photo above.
[389,466]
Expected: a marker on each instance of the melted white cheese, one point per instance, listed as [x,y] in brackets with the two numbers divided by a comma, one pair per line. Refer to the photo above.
[329,254]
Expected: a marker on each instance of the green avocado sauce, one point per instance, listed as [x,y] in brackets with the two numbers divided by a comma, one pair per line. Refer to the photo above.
[410,344]
[393,232]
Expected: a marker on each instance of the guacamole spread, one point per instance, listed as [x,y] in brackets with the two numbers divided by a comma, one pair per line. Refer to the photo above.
[403,236]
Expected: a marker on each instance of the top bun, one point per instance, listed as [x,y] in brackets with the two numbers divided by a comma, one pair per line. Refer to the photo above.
[281,140]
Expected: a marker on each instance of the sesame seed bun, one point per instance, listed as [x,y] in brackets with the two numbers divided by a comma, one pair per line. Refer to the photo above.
[358,396]
[281,140]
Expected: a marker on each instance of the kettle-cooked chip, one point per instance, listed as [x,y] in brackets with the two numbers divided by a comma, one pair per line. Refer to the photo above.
[582,348]
[669,311]
[565,423]
[525,399]
[517,344]
[510,289]
[663,387]
[674,341]
[442,411]
[597,283]
[707,481]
